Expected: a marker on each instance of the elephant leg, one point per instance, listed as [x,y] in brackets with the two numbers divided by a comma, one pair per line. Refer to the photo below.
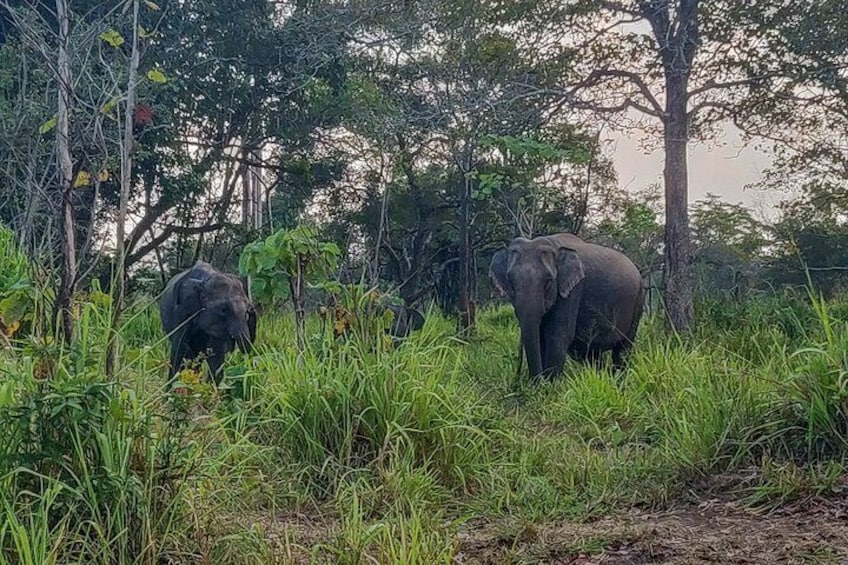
[178,354]
[180,351]
[585,353]
[543,348]
[217,354]
[620,353]
[559,326]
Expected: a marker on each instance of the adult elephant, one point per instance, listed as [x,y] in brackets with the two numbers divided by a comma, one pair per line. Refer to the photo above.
[570,297]
[206,311]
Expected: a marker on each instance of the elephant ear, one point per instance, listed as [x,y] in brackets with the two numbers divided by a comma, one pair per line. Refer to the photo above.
[188,297]
[569,271]
[497,271]
[415,319]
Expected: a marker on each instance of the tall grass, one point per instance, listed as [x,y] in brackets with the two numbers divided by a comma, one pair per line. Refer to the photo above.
[390,448]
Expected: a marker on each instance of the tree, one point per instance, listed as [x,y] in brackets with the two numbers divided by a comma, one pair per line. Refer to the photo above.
[63,152]
[283,265]
[126,150]
[687,64]
[727,239]
[190,158]
[811,238]
[443,78]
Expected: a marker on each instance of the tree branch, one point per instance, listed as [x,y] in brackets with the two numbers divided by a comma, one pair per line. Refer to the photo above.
[599,75]
[142,251]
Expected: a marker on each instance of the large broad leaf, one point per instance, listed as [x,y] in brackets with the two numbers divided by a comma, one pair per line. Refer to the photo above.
[266,259]
[13,308]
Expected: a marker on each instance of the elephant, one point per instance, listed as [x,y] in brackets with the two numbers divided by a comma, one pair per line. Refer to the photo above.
[206,311]
[571,297]
[405,321]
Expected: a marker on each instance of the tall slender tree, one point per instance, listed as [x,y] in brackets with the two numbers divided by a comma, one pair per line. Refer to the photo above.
[681,68]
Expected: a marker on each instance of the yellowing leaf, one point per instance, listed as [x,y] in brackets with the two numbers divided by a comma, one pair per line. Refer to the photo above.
[9,331]
[100,298]
[157,76]
[143,33]
[103,175]
[152,5]
[83,179]
[109,106]
[48,125]
[112,37]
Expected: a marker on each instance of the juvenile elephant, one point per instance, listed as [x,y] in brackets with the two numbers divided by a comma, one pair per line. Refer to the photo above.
[206,311]
[405,321]
[570,297]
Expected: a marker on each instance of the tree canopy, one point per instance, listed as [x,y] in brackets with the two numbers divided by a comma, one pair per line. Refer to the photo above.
[418,136]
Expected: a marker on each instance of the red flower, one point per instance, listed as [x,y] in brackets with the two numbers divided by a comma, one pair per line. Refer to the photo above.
[180,390]
[142,116]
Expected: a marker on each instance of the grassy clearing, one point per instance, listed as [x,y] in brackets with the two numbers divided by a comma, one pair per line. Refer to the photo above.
[356,453]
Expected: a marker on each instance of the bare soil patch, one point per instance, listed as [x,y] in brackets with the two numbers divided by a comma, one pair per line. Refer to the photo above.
[708,533]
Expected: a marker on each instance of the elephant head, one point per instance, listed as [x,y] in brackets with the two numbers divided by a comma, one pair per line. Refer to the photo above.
[223,311]
[202,310]
[535,275]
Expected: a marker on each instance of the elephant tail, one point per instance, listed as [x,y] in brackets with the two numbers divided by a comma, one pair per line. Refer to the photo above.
[520,357]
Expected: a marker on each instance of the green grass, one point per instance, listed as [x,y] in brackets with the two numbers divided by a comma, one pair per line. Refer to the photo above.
[387,453]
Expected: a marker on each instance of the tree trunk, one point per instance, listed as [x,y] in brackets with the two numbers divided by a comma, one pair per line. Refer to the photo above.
[466,292]
[256,175]
[119,264]
[296,285]
[65,295]
[678,282]
[247,196]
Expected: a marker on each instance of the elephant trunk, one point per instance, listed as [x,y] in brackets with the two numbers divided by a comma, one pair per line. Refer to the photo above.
[241,336]
[530,335]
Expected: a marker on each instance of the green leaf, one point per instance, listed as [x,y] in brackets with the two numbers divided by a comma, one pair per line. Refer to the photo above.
[157,76]
[48,125]
[266,259]
[112,37]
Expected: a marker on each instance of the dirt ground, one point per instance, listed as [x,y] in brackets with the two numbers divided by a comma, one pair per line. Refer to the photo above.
[707,533]
[711,532]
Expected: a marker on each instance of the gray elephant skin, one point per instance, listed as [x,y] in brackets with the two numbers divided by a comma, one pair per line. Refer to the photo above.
[405,321]
[571,297]
[206,311]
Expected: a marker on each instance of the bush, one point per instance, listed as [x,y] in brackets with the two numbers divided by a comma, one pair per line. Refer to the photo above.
[16,289]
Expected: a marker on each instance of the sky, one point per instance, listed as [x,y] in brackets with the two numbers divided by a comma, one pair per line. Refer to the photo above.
[724,168]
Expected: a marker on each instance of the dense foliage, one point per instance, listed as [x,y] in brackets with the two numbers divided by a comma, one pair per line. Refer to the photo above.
[340,153]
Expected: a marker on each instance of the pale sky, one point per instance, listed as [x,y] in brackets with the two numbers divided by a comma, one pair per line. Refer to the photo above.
[724,168]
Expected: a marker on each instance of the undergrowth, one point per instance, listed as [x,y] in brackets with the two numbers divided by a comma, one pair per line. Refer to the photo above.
[391,448]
